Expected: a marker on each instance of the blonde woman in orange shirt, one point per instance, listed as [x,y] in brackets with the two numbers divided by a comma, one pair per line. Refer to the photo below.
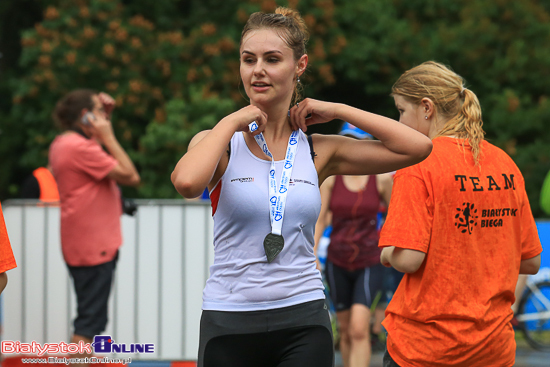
[461,228]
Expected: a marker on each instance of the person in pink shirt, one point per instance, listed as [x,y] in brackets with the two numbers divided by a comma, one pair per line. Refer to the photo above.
[88,163]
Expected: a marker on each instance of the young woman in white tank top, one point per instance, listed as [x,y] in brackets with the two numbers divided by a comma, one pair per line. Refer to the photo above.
[261,310]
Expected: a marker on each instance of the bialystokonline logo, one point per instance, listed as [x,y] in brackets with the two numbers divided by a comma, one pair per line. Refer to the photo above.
[101,344]
[106,344]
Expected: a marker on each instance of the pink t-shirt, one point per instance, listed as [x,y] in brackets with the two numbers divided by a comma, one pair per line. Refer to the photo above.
[90,201]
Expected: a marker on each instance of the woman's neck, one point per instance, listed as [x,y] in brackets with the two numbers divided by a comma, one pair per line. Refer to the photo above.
[278,126]
[277,129]
[436,127]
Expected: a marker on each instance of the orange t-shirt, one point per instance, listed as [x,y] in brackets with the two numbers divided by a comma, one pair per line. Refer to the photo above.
[48,187]
[475,225]
[7,261]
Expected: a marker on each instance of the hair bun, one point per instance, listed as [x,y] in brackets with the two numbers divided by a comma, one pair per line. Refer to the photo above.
[298,20]
[287,12]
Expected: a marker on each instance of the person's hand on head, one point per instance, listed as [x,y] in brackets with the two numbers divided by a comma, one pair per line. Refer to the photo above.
[310,112]
[108,103]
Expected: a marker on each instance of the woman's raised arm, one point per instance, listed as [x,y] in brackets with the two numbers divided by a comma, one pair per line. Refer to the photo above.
[199,167]
[399,146]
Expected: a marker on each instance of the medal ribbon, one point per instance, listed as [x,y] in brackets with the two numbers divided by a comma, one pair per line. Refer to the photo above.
[277,193]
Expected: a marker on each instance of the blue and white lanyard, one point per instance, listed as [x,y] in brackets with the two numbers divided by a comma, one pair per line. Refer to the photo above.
[277,194]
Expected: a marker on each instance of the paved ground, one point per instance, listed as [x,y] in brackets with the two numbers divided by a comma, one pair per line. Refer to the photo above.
[525,357]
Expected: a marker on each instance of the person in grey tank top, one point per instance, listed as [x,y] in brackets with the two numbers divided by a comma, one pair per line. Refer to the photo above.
[263,304]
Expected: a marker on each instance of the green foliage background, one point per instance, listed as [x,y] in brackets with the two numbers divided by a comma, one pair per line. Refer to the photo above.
[172,66]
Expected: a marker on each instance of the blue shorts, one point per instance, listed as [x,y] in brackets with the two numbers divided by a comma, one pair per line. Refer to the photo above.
[362,286]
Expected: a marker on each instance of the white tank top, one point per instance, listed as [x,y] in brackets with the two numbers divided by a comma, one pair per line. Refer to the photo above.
[241,279]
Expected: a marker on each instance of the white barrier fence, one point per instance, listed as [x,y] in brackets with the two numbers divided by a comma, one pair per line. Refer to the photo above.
[157,295]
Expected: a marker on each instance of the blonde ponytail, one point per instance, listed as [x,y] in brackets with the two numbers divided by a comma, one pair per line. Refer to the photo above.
[467,124]
[458,106]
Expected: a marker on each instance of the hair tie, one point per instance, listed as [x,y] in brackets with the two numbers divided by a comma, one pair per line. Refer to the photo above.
[462,91]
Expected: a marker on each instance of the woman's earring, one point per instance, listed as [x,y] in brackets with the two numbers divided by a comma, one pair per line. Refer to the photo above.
[298,80]
[426,117]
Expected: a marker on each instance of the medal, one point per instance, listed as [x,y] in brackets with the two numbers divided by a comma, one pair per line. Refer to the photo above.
[274,241]
[273,245]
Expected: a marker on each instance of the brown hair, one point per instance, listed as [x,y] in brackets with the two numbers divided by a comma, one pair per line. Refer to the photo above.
[291,28]
[458,105]
[67,110]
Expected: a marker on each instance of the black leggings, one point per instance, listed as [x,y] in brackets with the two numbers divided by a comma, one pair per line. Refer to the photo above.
[296,347]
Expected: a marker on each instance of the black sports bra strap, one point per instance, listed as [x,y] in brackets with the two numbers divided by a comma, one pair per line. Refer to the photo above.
[311,151]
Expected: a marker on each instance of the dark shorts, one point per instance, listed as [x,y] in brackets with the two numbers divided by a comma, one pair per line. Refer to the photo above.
[92,286]
[295,336]
[392,279]
[388,360]
[362,286]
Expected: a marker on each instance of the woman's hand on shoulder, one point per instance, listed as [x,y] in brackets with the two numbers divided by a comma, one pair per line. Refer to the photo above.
[310,112]
[245,116]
